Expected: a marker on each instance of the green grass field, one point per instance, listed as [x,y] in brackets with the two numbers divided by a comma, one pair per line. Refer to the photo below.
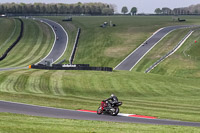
[9,31]
[167,92]
[12,123]
[34,45]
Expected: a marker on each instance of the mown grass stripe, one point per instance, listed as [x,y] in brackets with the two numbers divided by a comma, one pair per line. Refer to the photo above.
[32,47]
[11,36]
[45,82]
[41,47]
[56,83]
[22,48]
[9,31]
[34,81]
[21,83]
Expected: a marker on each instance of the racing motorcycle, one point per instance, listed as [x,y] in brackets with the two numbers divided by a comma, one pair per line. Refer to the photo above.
[105,109]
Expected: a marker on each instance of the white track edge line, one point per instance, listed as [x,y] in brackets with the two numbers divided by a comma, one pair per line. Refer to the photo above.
[67,39]
[139,47]
[156,44]
[174,50]
[150,49]
[53,43]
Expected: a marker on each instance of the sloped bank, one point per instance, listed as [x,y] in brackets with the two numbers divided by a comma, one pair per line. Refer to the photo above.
[15,43]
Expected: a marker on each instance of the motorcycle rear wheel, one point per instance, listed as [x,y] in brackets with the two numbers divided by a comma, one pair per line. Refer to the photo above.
[115,112]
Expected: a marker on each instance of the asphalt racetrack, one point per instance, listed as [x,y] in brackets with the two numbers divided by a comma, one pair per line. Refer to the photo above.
[130,61]
[33,110]
[60,43]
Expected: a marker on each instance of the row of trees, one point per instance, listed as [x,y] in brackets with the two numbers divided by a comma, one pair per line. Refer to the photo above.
[132,12]
[193,9]
[41,8]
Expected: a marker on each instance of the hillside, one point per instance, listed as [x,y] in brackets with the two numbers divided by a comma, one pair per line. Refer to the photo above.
[9,31]
[109,46]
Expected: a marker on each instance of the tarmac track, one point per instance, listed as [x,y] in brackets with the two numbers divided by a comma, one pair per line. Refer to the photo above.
[130,61]
[33,110]
[60,43]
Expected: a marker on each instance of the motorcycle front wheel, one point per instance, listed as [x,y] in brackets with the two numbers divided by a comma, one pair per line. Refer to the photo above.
[99,111]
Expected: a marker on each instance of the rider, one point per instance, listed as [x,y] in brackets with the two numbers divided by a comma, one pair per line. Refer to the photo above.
[113,99]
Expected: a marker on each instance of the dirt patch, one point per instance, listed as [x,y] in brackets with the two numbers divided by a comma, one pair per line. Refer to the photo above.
[70,26]
[117,52]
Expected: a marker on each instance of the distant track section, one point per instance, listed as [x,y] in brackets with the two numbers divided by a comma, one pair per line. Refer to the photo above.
[15,43]
[169,53]
[130,61]
[60,42]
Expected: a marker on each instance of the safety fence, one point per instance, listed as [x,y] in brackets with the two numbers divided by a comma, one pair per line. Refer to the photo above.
[71,59]
[168,54]
[70,67]
[14,44]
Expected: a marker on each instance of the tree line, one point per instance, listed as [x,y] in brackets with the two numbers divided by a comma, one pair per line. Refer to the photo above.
[60,8]
[193,9]
[133,10]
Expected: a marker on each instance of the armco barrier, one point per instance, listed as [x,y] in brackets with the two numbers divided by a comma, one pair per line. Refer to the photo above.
[72,67]
[71,59]
[13,45]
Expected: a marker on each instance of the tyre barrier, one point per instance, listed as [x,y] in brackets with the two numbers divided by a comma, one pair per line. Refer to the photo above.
[71,67]
[18,39]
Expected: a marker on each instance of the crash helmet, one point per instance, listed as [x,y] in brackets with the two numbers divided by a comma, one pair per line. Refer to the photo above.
[112,95]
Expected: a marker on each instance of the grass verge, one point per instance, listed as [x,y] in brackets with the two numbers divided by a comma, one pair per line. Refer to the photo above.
[12,123]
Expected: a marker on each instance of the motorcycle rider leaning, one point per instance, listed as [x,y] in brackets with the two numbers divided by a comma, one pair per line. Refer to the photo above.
[113,99]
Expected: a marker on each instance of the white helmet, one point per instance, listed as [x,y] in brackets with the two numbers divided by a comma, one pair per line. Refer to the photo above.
[112,95]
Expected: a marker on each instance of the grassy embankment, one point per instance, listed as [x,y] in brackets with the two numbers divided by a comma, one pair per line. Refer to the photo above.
[9,31]
[108,46]
[34,45]
[146,94]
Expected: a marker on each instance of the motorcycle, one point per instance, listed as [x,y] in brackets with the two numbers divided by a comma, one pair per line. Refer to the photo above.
[105,109]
